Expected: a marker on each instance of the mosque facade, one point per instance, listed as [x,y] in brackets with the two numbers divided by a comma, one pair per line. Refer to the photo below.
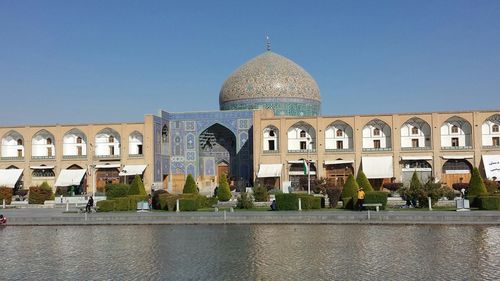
[268,125]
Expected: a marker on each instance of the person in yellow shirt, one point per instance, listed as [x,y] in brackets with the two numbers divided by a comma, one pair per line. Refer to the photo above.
[361,199]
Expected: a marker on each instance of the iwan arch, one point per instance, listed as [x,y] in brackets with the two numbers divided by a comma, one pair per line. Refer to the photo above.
[269,121]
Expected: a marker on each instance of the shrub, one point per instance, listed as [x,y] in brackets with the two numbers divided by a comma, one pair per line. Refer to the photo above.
[168,201]
[122,204]
[223,192]
[116,190]
[105,205]
[287,201]
[156,200]
[260,194]
[350,189]
[6,193]
[349,202]
[363,182]
[190,185]
[188,204]
[309,202]
[137,187]
[377,197]
[245,201]
[393,186]
[491,186]
[134,199]
[39,194]
[476,184]
[21,192]
[333,194]
[489,202]
[62,190]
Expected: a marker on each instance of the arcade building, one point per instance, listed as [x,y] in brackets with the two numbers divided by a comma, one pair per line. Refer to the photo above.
[269,122]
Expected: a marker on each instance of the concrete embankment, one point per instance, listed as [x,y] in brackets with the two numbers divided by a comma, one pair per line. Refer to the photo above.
[58,217]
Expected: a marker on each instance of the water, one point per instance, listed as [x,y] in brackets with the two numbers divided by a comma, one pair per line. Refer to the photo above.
[250,252]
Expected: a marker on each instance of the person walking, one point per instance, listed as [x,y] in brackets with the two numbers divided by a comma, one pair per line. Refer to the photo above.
[361,199]
[90,204]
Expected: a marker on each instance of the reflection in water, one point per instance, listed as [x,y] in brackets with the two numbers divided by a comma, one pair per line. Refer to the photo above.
[250,252]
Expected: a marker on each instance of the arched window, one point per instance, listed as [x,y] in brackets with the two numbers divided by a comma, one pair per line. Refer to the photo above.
[414,131]
[271,133]
[376,132]
[494,128]
[49,141]
[19,142]
[111,139]
[302,134]
[454,129]
[339,133]
[78,140]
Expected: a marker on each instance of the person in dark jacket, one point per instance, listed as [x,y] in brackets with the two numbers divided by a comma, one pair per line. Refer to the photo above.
[90,204]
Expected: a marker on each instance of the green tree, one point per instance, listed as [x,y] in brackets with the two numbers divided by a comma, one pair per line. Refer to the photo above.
[363,182]
[476,184]
[190,185]
[137,187]
[223,192]
[350,189]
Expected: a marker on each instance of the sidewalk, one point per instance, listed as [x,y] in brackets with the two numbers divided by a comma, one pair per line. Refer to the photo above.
[57,216]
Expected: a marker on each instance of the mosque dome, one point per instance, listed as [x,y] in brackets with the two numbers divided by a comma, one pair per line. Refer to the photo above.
[271,81]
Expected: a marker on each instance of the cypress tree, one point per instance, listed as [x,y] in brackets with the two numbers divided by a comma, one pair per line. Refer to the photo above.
[476,184]
[190,185]
[363,182]
[223,192]
[135,186]
[350,188]
[415,192]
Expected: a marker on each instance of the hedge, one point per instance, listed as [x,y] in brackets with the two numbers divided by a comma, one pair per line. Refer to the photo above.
[156,199]
[122,204]
[188,204]
[489,202]
[290,201]
[116,190]
[133,199]
[167,201]
[349,202]
[39,194]
[376,197]
[105,205]
[287,201]
[6,193]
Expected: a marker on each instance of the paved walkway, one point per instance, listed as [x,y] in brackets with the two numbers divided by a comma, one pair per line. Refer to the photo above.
[57,216]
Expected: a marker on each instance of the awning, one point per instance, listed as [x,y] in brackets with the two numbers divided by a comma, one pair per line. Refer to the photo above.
[107,166]
[492,166]
[416,157]
[299,161]
[335,162]
[132,170]
[70,177]
[377,167]
[299,173]
[269,170]
[457,156]
[41,167]
[9,177]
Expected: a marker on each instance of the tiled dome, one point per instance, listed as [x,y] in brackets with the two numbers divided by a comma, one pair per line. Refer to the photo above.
[271,81]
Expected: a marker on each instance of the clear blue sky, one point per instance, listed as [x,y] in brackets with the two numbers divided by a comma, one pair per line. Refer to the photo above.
[124,59]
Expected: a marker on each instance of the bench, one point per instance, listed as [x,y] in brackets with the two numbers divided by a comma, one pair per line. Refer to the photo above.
[376,205]
[229,205]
